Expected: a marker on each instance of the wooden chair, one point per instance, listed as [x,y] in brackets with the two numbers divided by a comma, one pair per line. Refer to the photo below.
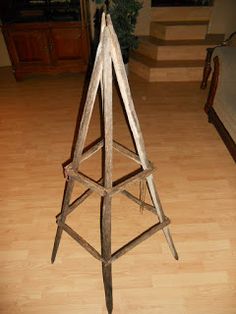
[207,66]
[221,101]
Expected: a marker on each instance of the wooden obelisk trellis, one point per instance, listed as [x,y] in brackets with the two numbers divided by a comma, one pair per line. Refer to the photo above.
[109,53]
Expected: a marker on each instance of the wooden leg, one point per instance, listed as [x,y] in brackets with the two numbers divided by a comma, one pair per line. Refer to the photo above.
[66,200]
[107,172]
[160,214]
[135,128]
[56,243]
[106,250]
[107,281]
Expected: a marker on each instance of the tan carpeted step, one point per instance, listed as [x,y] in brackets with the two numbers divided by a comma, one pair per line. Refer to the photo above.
[180,30]
[181,13]
[160,49]
[163,71]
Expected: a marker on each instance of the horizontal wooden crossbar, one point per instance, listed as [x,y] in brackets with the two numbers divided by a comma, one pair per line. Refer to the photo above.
[92,150]
[125,151]
[140,238]
[119,187]
[76,203]
[88,192]
[139,202]
[117,146]
[120,252]
[93,185]
[138,176]
[81,241]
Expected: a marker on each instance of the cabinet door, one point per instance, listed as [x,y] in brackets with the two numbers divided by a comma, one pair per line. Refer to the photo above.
[68,45]
[28,47]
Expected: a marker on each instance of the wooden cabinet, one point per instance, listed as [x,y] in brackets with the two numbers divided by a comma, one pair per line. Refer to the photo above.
[27,46]
[67,44]
[47,47]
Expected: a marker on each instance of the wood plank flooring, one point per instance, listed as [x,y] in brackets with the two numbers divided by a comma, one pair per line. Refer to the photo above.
[196,180]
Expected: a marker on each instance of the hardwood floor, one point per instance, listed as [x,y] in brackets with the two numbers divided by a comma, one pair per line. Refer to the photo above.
[196,181]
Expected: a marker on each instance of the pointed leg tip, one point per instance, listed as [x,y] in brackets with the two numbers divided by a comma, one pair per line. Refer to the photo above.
[110,308]
[52,260]
[176,256]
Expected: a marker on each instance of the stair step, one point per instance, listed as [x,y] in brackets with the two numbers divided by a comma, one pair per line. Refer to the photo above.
[174,49]
[181,13]
[165,71]
[180,30]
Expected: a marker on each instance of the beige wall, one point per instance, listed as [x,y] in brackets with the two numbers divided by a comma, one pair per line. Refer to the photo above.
[144,18]
[92,12]
[231,25]
[223,19]
[143,23]
[4,58]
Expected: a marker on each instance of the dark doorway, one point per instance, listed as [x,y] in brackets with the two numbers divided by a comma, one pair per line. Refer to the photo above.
[181,3]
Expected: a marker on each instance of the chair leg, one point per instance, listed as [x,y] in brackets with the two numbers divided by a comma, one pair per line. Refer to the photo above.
[207,68]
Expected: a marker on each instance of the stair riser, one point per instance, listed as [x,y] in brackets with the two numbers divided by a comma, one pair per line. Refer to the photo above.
[178,32]
[175,75]
[173,52]
[189,74]
[181,14]
[139,69]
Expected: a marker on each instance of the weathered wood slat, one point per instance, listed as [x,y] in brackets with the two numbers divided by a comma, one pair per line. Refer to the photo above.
[76,203]
[109,51]
[121,186]
[107,170]
[80,200]
[93,185]
[140,238]
[126,94]
[80,240]
[135,127]
[139,202]
[127,152]
[92,150]
[66,200]
[88,107]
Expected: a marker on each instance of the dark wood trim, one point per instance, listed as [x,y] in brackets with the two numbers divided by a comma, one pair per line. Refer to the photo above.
[214,84]
[207,66]
[212,115]
[224,134]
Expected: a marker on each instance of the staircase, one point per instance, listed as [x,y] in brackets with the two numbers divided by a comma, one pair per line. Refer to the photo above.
[176,47]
